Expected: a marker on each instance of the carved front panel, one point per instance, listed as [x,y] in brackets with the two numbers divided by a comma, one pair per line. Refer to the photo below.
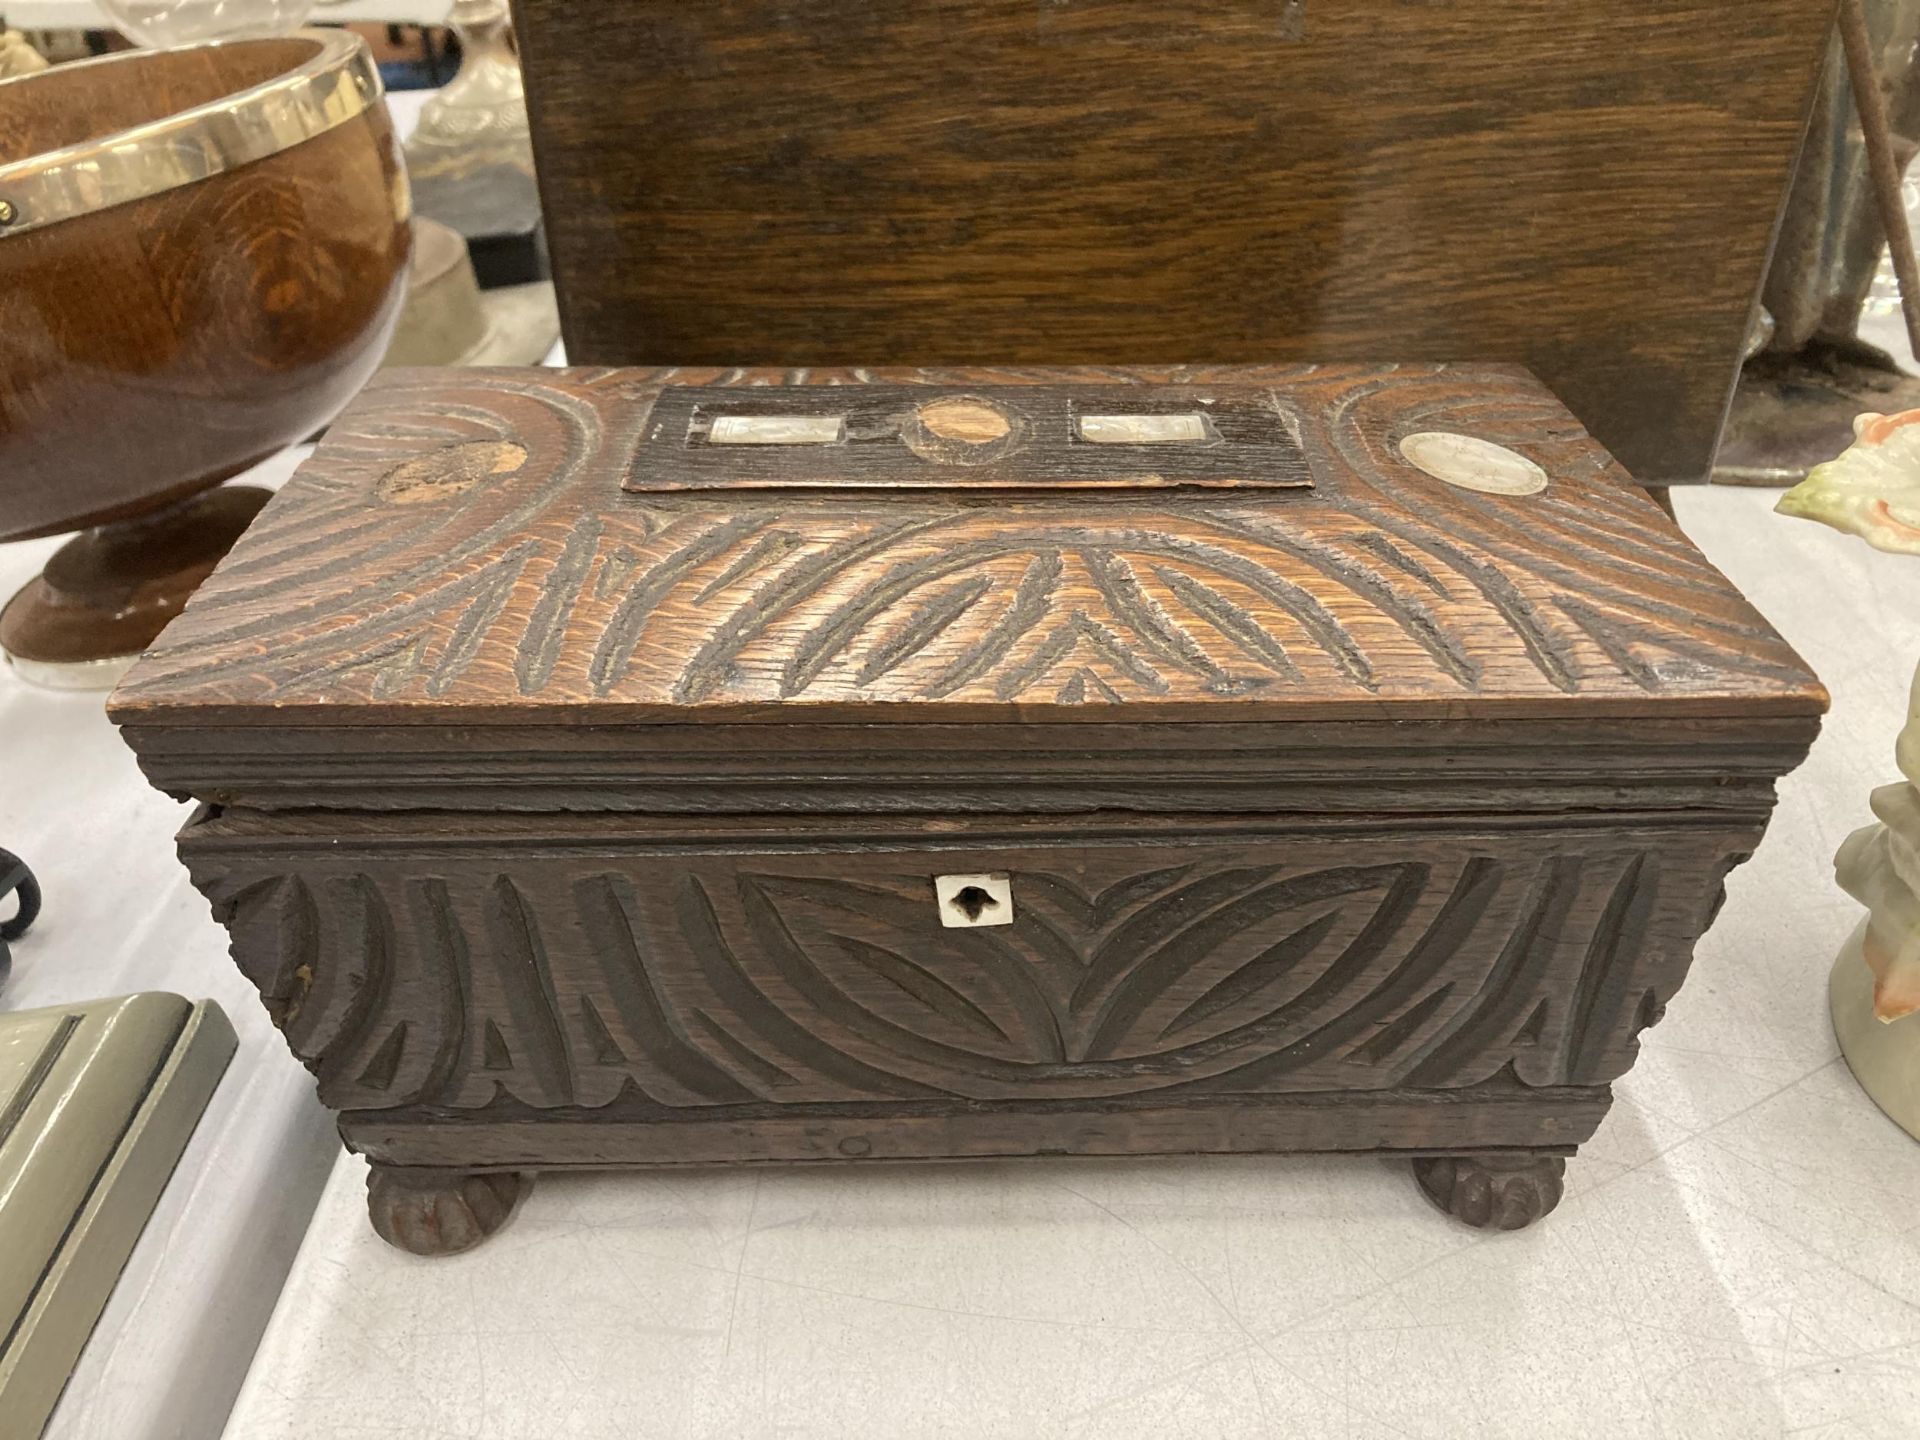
[558,974]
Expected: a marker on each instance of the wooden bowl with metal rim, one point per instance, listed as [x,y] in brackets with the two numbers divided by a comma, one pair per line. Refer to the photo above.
[202,254]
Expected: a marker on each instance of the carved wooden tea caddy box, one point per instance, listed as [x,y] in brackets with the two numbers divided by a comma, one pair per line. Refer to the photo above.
[656,767]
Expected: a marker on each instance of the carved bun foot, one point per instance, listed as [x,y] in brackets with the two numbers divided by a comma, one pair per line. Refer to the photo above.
[439,1212]
[1492,1192]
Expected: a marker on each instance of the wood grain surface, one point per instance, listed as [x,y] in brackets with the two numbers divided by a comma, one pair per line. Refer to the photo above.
[409,965]
[561,823]
[460,551]
[158,347]
[1588,189]
[1502,1116]
[763,773]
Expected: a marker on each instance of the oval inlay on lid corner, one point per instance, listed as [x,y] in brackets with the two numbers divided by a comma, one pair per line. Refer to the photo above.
[1470,463]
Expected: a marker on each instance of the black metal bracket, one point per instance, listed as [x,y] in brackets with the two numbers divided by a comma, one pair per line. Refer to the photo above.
[16,880]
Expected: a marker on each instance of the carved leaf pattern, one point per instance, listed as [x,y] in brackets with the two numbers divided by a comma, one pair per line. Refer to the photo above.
[1127,971]
[1380,583]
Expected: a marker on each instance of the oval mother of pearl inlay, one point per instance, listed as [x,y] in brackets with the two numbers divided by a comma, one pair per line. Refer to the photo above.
[1472,463]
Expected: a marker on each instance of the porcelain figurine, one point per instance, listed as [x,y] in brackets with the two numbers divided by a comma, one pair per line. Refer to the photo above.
[1873,491]
[17,57]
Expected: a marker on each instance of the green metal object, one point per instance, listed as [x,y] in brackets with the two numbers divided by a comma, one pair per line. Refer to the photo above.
[97,1101]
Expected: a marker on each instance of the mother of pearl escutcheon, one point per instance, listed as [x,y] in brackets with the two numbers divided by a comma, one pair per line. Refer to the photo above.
[1472,463]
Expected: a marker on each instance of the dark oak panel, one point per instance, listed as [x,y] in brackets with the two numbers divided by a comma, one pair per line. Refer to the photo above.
[576,974]
[1589,189]
[1486,1119]
[762,773]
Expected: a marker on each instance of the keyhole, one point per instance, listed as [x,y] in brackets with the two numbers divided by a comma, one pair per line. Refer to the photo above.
[973,902]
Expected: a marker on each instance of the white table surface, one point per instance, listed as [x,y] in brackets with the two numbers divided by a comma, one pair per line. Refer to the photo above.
[175,1338]
[118,916]
[1738,1254]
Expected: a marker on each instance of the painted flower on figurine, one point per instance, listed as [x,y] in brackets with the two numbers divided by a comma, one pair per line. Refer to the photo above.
[1873,489]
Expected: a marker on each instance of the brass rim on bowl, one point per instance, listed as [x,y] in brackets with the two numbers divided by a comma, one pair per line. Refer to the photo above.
[338,82]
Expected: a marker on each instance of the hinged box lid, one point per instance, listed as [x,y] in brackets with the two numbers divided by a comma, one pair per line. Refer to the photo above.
[1385,543]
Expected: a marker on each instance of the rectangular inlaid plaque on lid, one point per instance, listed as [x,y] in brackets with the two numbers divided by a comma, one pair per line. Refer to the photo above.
[841,816]
[961,437]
